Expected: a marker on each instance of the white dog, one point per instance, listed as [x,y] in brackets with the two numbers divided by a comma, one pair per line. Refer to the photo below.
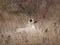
[29,27]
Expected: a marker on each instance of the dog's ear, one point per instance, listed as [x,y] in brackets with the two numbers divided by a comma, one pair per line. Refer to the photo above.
[35,21]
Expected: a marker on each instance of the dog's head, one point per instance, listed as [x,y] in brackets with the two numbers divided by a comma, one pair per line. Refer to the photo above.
[32,21]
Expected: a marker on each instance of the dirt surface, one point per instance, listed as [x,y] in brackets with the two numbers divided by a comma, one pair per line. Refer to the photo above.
[29,22]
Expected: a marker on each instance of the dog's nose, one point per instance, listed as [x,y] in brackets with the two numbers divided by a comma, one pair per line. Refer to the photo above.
[35,21]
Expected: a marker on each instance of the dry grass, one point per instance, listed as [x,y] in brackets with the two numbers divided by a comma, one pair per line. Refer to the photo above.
[16,14]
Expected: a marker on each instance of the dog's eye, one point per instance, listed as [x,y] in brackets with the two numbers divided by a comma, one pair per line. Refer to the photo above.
[31,20]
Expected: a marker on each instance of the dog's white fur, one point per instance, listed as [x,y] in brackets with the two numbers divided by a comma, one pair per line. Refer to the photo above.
[29,27]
